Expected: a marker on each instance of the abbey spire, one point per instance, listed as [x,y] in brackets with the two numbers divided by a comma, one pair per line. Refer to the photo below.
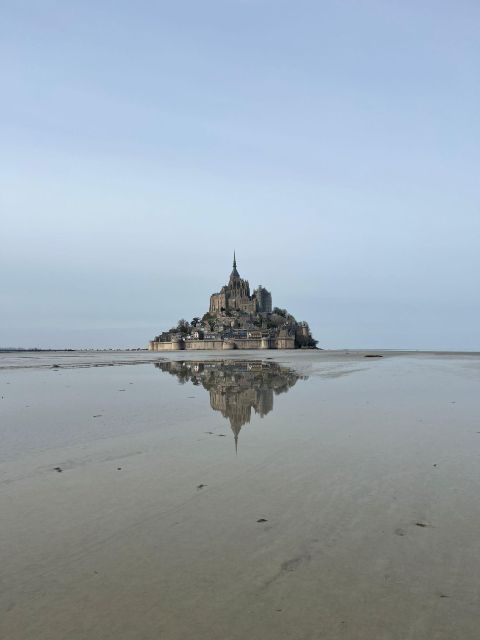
[234,273]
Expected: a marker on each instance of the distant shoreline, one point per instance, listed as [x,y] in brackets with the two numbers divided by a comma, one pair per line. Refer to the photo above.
[39,350]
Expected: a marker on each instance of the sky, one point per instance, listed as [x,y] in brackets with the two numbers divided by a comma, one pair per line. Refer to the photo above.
[333,144]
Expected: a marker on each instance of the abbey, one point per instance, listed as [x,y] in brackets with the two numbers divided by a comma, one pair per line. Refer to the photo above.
[235,296]
[237,319]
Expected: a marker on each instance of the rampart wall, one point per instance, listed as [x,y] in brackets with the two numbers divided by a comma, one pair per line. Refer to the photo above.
[236,343]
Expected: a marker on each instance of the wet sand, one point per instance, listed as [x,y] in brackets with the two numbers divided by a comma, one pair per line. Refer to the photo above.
[349,510]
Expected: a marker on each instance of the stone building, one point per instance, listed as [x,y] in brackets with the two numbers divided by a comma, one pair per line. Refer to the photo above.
[237,319]
[235,296]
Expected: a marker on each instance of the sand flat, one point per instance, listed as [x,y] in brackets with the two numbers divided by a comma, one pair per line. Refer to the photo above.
[363,472]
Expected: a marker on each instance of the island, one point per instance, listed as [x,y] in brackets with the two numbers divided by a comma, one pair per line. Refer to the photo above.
[237,319]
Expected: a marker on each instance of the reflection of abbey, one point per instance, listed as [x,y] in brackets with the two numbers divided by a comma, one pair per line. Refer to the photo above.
[235,386]
[237,319]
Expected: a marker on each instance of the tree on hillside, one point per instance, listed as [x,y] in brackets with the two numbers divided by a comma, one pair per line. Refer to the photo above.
[183,326]
[279,312]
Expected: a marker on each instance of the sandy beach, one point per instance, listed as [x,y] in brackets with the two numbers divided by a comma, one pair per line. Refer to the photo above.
[260,495]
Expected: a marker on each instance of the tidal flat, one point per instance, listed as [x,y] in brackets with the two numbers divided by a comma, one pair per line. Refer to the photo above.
[259,495]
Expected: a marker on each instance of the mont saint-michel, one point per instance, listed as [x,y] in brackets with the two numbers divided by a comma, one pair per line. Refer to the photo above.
[237,319]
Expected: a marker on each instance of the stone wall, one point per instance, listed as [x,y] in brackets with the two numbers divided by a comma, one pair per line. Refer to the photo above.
[236,343]
[166,346]
[200,345]
[286,342]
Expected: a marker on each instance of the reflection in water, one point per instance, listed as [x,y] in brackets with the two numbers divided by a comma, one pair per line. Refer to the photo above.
[236,386]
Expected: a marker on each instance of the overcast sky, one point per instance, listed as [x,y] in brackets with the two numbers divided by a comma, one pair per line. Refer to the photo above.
[333,144]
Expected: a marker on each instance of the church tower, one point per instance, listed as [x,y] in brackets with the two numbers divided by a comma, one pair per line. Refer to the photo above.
[235,296]
[235,280]
[234,271]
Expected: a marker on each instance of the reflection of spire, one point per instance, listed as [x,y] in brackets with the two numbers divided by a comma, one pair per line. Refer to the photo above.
[235,386]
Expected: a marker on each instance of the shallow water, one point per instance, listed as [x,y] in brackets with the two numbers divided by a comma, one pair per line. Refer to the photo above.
[307,495]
